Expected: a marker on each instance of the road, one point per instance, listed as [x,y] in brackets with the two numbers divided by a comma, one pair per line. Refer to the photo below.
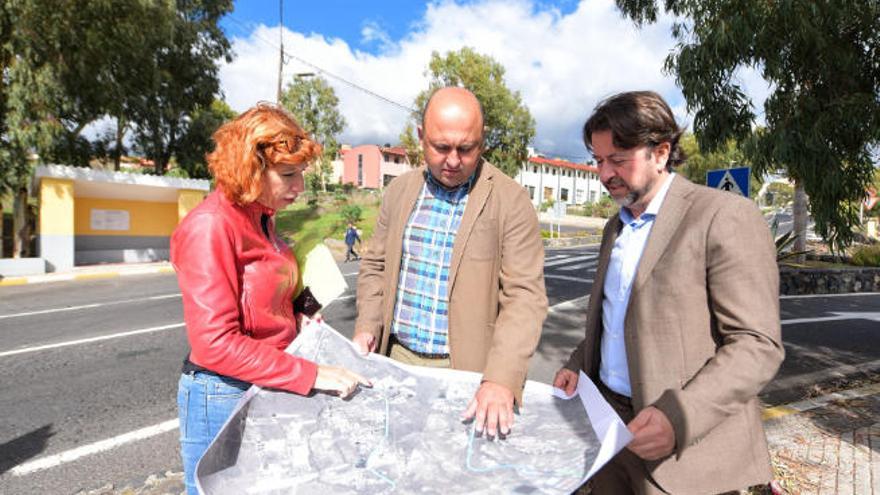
[90,368]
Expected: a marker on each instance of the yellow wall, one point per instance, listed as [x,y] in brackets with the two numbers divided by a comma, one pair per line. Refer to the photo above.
[146,218]
[187,199]
[56,207]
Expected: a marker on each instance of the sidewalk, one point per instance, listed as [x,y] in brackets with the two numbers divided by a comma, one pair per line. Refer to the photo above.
[586,223]
[91,272]
[828,445]
[824,445]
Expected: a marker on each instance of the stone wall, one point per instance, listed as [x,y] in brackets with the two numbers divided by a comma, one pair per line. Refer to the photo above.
[796,281]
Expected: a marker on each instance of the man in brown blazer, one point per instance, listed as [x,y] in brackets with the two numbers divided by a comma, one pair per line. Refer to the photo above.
[683,321]
[453,275]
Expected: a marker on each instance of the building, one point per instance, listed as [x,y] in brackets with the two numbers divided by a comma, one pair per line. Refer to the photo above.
[92,216]
[371,166]
[560,181]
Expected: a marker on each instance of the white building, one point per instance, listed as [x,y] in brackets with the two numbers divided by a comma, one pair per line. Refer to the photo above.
[561,181]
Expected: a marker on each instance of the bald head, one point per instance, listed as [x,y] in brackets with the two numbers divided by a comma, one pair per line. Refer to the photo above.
[452,135]
[453,99]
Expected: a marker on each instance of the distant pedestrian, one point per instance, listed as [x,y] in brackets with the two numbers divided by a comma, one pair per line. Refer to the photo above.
[351,235]
[238,278]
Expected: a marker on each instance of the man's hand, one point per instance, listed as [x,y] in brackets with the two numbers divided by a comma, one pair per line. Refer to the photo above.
[365,342]
[653,435]
[493,407]
[566,380]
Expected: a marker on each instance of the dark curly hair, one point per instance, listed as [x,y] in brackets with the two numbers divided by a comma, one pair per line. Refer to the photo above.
[637,118]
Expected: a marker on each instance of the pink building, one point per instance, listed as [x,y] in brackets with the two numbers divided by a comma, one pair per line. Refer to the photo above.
[372,167]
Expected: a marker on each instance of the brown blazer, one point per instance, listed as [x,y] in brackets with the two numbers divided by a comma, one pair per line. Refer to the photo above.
[702,335]
[497,302]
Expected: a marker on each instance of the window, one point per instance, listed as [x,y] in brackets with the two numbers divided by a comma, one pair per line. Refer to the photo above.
[579,196]
[563,194]
[548,193]
[552,171]
[360,169]
[531,192]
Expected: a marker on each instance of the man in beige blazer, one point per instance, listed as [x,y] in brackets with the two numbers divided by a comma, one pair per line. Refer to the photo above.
[683,321]
[453,275]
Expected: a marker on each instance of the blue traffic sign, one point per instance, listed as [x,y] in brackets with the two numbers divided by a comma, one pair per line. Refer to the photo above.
[735,180]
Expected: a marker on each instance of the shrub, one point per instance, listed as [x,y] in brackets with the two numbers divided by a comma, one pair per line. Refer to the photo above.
[352,213]
[603,209]
[868,255]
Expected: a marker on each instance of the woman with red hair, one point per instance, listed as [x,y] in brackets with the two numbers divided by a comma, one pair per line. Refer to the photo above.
[237,279]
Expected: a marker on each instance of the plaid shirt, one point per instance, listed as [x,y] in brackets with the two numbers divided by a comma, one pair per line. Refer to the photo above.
[421,309]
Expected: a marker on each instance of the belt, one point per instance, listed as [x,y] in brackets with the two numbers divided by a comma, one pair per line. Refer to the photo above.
[426,355]
[191,368]
[607,392]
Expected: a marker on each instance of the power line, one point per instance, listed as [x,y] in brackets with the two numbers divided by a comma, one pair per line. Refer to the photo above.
[289,56]
[408,109]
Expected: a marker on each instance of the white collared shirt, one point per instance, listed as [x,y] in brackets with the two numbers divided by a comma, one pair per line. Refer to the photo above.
[625,257]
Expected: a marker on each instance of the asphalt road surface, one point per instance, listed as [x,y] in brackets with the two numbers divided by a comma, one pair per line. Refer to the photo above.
[89,369]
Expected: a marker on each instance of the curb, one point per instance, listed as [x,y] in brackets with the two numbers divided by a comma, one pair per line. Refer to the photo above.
[771,413]
[84,275]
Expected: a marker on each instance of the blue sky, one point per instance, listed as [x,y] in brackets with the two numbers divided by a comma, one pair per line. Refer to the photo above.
[562,56]
[346,19]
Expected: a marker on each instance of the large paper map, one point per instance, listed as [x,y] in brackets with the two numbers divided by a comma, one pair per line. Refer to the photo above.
[403,435]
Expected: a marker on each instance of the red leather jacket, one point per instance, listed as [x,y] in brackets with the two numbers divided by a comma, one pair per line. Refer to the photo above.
[237,287]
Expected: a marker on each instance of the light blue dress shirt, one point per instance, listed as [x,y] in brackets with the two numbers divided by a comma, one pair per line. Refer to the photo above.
[624,261]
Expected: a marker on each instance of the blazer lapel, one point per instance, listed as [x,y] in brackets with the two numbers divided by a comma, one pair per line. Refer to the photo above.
[668,219]
[475,202]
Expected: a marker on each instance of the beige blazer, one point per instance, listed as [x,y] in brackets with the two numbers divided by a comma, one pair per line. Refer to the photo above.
[702,335]
[497,302]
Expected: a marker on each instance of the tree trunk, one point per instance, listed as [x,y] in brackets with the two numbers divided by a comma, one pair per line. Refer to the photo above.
[120,133]
[20,229]
[2,227]
[799,214]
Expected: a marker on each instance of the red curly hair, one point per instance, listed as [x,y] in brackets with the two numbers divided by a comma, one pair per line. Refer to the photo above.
[263,136]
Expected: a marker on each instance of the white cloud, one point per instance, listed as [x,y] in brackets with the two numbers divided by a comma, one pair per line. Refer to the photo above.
[561,64]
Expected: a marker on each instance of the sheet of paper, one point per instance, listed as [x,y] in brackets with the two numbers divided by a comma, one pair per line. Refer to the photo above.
[404,435]
[322,275]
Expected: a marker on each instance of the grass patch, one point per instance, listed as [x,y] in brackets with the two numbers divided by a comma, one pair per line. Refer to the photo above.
[816,264]
[304,226]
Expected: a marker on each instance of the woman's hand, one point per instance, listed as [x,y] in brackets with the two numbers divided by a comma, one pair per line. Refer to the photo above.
[339,380]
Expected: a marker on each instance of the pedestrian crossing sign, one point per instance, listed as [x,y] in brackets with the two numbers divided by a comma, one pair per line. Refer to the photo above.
[735,180]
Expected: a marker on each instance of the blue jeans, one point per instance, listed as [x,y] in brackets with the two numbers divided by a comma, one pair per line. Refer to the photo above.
[204,403]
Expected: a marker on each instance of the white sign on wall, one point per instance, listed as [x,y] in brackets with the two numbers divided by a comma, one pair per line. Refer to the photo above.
[110,219]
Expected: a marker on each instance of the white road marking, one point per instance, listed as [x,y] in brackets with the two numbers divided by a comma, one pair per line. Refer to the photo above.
[570,259]
[90,340]
[580,302]
[842,315]
[848,294]
[571,268]
[87,306]
[570,279]
[94,448]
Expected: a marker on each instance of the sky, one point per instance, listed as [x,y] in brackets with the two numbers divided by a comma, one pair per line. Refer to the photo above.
[562,56]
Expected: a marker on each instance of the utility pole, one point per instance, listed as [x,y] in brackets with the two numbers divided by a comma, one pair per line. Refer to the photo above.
[281,46]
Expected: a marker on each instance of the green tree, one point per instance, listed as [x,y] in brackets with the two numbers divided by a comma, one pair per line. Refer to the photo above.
[410,142]
[509,126]
[822,115]
[314,104]
[183,79]
[197,140]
